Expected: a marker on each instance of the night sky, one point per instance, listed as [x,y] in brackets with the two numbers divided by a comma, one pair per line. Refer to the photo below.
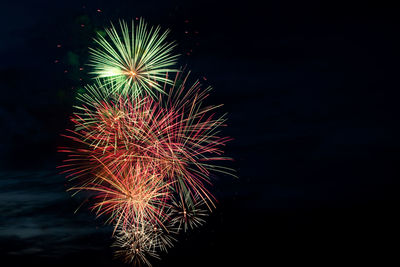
[312,93]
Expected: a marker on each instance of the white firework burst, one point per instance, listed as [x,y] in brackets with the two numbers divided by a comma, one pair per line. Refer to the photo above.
[140,241]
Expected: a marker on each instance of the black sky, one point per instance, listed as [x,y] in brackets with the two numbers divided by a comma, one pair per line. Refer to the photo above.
[312,95]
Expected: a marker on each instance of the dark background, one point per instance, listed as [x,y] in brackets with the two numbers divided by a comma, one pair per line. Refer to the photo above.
[312,95]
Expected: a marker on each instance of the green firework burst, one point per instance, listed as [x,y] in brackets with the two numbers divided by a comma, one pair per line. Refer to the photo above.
[136,59]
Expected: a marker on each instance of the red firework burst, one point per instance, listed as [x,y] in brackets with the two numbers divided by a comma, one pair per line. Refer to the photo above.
[122,144]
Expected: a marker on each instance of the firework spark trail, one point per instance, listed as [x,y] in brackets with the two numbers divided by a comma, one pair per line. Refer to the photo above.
[129,195]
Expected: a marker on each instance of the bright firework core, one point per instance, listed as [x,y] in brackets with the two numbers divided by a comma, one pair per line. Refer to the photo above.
[132,74]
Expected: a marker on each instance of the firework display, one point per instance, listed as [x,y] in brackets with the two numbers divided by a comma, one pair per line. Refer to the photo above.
[144,144]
